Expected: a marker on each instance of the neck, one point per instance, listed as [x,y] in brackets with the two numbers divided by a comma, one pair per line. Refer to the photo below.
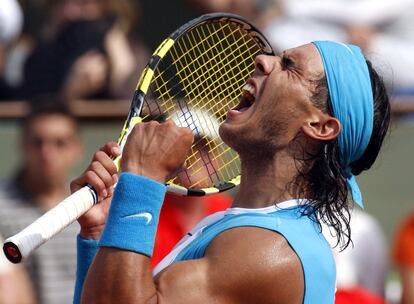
[43,194]
[266,182]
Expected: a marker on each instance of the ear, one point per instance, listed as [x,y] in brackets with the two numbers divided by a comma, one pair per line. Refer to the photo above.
[322,127]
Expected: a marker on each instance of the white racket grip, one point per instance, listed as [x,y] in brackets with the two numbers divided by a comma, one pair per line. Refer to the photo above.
[20,245]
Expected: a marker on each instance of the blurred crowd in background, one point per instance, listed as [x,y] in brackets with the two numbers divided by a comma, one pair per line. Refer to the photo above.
[53,52]
[94,49]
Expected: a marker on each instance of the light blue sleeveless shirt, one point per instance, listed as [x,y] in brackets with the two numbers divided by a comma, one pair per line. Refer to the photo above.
[300,231]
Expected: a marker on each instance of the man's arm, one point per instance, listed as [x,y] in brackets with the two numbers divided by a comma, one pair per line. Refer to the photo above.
[242,265]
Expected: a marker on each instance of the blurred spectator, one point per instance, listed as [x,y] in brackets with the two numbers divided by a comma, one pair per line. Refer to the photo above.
[62,12]
[50,147]
[11,21]
[90,52]
[382,28]
[256,11]
[15,286]
[362,266]
[364,262]
[357,295]
[403,256]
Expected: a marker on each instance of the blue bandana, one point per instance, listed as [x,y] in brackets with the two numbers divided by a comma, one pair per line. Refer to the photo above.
[352,103]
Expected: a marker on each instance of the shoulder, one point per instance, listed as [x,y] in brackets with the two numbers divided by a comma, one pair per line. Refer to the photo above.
[15,212]
[254,259]
[4,186]
[11,196]
[242,265]
[7,197]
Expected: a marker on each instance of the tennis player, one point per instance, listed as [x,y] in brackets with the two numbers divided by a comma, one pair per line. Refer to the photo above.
[308,121]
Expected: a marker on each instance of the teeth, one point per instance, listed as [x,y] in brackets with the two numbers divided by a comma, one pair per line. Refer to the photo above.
[249,93]
[249,88]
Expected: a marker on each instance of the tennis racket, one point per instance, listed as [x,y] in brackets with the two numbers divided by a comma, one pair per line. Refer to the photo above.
[194,77]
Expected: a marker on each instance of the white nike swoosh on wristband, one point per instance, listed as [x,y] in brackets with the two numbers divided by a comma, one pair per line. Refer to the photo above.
[146,215]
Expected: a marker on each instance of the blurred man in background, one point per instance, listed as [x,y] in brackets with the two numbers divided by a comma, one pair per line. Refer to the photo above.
[50,148]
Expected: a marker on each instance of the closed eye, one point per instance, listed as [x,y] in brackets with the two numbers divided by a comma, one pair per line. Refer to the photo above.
[287,63]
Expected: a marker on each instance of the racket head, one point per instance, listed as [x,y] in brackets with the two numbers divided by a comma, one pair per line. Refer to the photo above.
[194,77]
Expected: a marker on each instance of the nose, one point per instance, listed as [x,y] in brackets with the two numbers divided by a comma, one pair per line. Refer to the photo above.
[264,64]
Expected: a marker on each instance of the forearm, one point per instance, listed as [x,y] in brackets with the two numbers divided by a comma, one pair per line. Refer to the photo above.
[86,251]
[121,271]
[119,276]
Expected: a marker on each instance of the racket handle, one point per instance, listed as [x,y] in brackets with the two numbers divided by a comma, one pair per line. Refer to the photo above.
[19,246]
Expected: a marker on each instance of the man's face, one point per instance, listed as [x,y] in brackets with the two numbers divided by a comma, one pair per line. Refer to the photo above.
[51,147]
[276,101]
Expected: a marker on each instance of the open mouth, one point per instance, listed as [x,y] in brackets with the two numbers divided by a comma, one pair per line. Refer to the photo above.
[247,99]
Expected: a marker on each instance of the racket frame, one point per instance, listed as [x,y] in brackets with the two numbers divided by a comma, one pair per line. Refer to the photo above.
[149,71]
[14,248]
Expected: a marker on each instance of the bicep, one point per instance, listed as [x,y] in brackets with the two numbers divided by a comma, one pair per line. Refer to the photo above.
[206,280]
[187,282]
[234,271]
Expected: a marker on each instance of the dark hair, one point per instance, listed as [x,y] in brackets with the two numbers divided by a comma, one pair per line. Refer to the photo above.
[47,105]
[327,187]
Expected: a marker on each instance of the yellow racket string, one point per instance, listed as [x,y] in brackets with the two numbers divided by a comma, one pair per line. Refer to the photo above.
[198,43]
[212,150]
[192,94]
[201,77]
[186,64]
[210,93]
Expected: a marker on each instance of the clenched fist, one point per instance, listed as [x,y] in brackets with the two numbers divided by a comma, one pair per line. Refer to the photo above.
[156,150]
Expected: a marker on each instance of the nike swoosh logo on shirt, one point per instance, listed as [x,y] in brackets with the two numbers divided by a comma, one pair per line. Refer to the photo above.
[145,215]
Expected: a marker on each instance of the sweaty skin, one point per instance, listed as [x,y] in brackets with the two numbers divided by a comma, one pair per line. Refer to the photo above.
[232,270]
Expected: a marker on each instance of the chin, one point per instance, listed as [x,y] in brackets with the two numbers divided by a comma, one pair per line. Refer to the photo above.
[247,141]
[233,136]
[226,134]
[50,175]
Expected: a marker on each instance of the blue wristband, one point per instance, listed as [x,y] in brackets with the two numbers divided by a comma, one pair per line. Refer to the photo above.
[85,254]
[134,213]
